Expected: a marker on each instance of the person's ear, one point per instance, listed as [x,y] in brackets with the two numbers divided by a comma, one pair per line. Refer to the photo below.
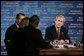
[63,24]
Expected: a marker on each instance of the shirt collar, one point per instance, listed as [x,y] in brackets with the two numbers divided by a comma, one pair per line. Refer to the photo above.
[17,25]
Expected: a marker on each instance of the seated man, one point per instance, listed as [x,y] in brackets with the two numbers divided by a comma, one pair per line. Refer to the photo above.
[57,33]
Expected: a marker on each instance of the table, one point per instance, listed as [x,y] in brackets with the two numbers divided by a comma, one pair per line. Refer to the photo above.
[67,51]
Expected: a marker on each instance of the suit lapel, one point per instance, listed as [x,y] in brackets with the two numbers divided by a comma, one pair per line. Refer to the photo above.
[62,33]
[55,33]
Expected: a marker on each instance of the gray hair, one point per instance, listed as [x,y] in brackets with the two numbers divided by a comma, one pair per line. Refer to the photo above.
[61,16]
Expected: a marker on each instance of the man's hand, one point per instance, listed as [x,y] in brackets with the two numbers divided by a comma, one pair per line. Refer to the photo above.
[61,41]
[67,41]
[58,42]
[54,43]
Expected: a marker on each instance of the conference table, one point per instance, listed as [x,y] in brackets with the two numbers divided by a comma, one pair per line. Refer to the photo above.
[62,51]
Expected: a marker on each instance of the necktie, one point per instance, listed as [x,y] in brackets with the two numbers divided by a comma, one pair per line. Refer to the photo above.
[58,32]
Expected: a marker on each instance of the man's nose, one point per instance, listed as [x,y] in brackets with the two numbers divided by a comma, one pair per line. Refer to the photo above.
[58,22]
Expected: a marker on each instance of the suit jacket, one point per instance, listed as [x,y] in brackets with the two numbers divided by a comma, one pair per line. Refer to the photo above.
[29,40]
[51,33]
[19,42]
[9,35]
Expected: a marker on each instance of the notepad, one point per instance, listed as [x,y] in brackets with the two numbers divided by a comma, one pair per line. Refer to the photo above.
[71,46]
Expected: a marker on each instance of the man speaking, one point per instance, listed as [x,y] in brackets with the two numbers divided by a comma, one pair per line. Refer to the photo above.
[57,33]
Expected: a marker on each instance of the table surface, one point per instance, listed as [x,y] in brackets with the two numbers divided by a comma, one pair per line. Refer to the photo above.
[62,51]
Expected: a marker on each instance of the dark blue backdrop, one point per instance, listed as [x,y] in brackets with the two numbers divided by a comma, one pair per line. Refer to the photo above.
[47,11]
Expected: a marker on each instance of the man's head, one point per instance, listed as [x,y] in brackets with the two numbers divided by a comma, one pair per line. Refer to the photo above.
[19,17]
[59,21]
[24,22]
[34,21]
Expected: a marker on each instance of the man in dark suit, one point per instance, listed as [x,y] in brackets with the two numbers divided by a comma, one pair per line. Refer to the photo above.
[20,37]
[9,35]
[34,39]
[57,31]
[28,38]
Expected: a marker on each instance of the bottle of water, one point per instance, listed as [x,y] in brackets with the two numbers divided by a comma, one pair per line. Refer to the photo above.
[79,44]
[73,42]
